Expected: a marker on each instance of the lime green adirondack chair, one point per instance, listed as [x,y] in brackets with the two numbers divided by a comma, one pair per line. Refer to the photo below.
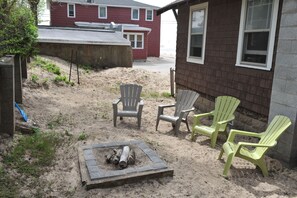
[225,107]
[267,139]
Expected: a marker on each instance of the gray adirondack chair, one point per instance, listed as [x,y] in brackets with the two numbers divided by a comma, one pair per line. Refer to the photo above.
[131,103]
[185,100]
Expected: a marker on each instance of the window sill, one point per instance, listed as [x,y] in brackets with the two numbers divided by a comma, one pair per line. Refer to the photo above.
[253,67]
[195,60]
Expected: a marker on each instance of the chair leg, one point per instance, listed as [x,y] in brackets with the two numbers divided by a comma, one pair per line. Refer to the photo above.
[114,120]
[176,128]
[188,126]
[139,121]
[157,123]
[221,154]
[262,165]
[228,164]
[213,140]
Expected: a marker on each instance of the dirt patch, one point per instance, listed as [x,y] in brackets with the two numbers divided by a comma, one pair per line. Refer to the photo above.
[87,108]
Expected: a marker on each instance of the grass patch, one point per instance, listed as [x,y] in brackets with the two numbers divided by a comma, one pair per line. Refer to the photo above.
[34,78]
[8,187]
[86,68]
[47,65]
[166,94]
[64,79]
[82,136]
[32,153]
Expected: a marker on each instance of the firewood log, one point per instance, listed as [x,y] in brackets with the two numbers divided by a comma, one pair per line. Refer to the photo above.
[116,157]
[131,157]
[124,157]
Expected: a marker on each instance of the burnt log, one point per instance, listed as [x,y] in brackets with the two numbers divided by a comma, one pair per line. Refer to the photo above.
[115,157]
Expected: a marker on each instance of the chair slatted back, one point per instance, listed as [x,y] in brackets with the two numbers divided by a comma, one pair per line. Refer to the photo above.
[277,126]
[185,99]
[130,96]
[225,107]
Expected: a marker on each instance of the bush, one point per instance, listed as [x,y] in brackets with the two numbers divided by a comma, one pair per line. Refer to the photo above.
[18,33]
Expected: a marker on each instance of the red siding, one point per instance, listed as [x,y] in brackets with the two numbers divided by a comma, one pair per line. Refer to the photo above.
[89,13]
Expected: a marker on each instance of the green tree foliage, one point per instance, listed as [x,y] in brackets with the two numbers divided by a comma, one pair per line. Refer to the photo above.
[18,32]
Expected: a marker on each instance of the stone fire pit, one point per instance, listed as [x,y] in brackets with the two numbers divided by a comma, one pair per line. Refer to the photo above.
[96,173]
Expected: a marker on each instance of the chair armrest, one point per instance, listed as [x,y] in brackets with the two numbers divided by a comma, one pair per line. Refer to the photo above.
[240,144]
[116,101]
[197,117]
[226,121]
[234,132]
[166,106]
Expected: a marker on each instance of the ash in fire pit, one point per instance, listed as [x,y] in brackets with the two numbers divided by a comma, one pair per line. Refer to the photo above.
[115,163]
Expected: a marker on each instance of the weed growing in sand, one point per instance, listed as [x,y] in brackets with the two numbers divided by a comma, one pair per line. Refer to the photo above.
[32,153]
[57,121]
[34,78]
[63,79]
[86,68]
[82,136]
[8,187]
[47,65]
[166,94]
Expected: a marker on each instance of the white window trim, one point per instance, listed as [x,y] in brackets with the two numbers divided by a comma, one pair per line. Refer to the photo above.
[271,38]
[146,14]
[99,12]
[132,14]
[192,59]
[135,41]
[73,10]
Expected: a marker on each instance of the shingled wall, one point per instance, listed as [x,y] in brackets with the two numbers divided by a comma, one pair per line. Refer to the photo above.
[219,75]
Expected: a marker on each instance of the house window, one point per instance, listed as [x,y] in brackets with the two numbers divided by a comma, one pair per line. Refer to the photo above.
[71,10]
[149,15]
[134,14]
[136,40]
[102,12]
[257,33]
[90,1]
[197,33]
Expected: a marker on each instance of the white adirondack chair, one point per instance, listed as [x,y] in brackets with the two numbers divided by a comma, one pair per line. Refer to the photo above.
[131,101]
[185,100]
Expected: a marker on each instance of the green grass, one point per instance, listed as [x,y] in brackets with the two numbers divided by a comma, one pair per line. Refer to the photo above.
[47,65]
[82,136]
[34,78]
[33,153]
[8,187]
[59,79]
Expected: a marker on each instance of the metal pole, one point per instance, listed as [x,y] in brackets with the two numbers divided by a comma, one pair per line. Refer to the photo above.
[77,69]
[70,65]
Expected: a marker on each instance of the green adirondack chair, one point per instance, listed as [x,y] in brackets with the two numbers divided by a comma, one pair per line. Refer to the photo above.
[225,107]
[267,139]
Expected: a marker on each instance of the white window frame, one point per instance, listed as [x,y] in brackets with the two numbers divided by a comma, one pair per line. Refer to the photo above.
[135,41]
[271,38]
[138,10]
[99,12]
[192,59]
[152,14]
[74,12]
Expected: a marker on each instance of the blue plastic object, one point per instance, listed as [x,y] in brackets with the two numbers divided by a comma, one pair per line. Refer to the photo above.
[24,115]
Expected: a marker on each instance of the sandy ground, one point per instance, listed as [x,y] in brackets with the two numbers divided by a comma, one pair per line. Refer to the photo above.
[87,108]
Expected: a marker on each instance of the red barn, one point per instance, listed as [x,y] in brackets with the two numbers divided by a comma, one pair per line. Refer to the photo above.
[139,21]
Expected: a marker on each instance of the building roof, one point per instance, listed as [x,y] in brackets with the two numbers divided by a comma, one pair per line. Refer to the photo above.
[111,3]
[81,36]
[173,5]
[110,26]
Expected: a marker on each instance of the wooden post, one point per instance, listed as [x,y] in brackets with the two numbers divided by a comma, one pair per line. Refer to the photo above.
[172,81]
[124,157]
